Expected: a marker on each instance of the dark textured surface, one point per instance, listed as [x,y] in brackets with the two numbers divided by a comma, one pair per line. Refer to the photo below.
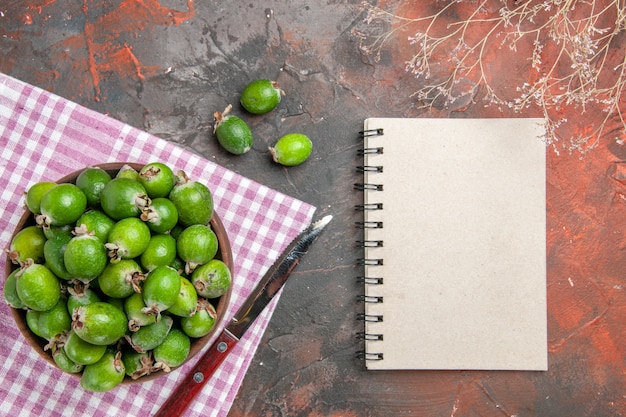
[166,66]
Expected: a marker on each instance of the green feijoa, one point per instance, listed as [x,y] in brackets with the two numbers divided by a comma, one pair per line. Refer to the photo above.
[177,230]
[54,231]
[34,194]
[193,200]
[32,321]
[27,244]
[10,291]
[233,134]
[82,352]
[64,362]
[261,96]
[291,149]
[161,215]
[160,289]
[157,178]
[126,171]
[133,307]
[116,302]
[99,323]
[61,205]
[212,279]
[200,323]
[137,364]
[121,279]
[187,300]
[85,257]
[127,239]
[91,181]
[105,374]
[53,252]
[173,351]
[123,197]
[196,245]
[95,222]
[38,288]
[179,265]
[150,336]
[80,294]
[54,321]
[161,251]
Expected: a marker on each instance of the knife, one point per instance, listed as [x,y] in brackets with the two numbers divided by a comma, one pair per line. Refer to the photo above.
[266,289]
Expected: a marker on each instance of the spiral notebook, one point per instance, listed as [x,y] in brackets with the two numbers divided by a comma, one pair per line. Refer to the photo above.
[454,241]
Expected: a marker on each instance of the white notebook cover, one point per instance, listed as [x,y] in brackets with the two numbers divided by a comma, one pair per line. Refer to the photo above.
[464,244]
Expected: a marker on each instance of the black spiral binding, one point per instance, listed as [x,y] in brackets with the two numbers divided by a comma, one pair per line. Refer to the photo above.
[366,280]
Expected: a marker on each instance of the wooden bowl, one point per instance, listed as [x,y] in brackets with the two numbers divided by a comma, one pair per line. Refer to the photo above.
[221,304]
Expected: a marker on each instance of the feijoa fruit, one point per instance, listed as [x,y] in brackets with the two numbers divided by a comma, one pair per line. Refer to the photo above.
[261,96]
[291,149]
[91,181]
[157,178]
[193,201]
[105,374]
[28,243]
[38,288]
[61,205]
[99,323]
[232,132]
[212,279]
[123,197]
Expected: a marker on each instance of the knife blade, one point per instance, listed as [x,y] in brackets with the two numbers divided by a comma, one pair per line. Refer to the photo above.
[180,399]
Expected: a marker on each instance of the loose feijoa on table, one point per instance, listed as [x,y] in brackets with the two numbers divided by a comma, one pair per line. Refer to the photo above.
[91,181]
[232,132]
[261,96]
[291,149]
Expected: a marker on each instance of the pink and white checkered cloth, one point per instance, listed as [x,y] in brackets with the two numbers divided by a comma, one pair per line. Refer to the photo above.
[44,137]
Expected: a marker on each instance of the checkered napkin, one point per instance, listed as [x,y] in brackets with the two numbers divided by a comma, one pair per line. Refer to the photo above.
[44,137]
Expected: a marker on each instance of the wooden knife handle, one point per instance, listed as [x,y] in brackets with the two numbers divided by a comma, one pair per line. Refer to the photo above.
[190,386]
